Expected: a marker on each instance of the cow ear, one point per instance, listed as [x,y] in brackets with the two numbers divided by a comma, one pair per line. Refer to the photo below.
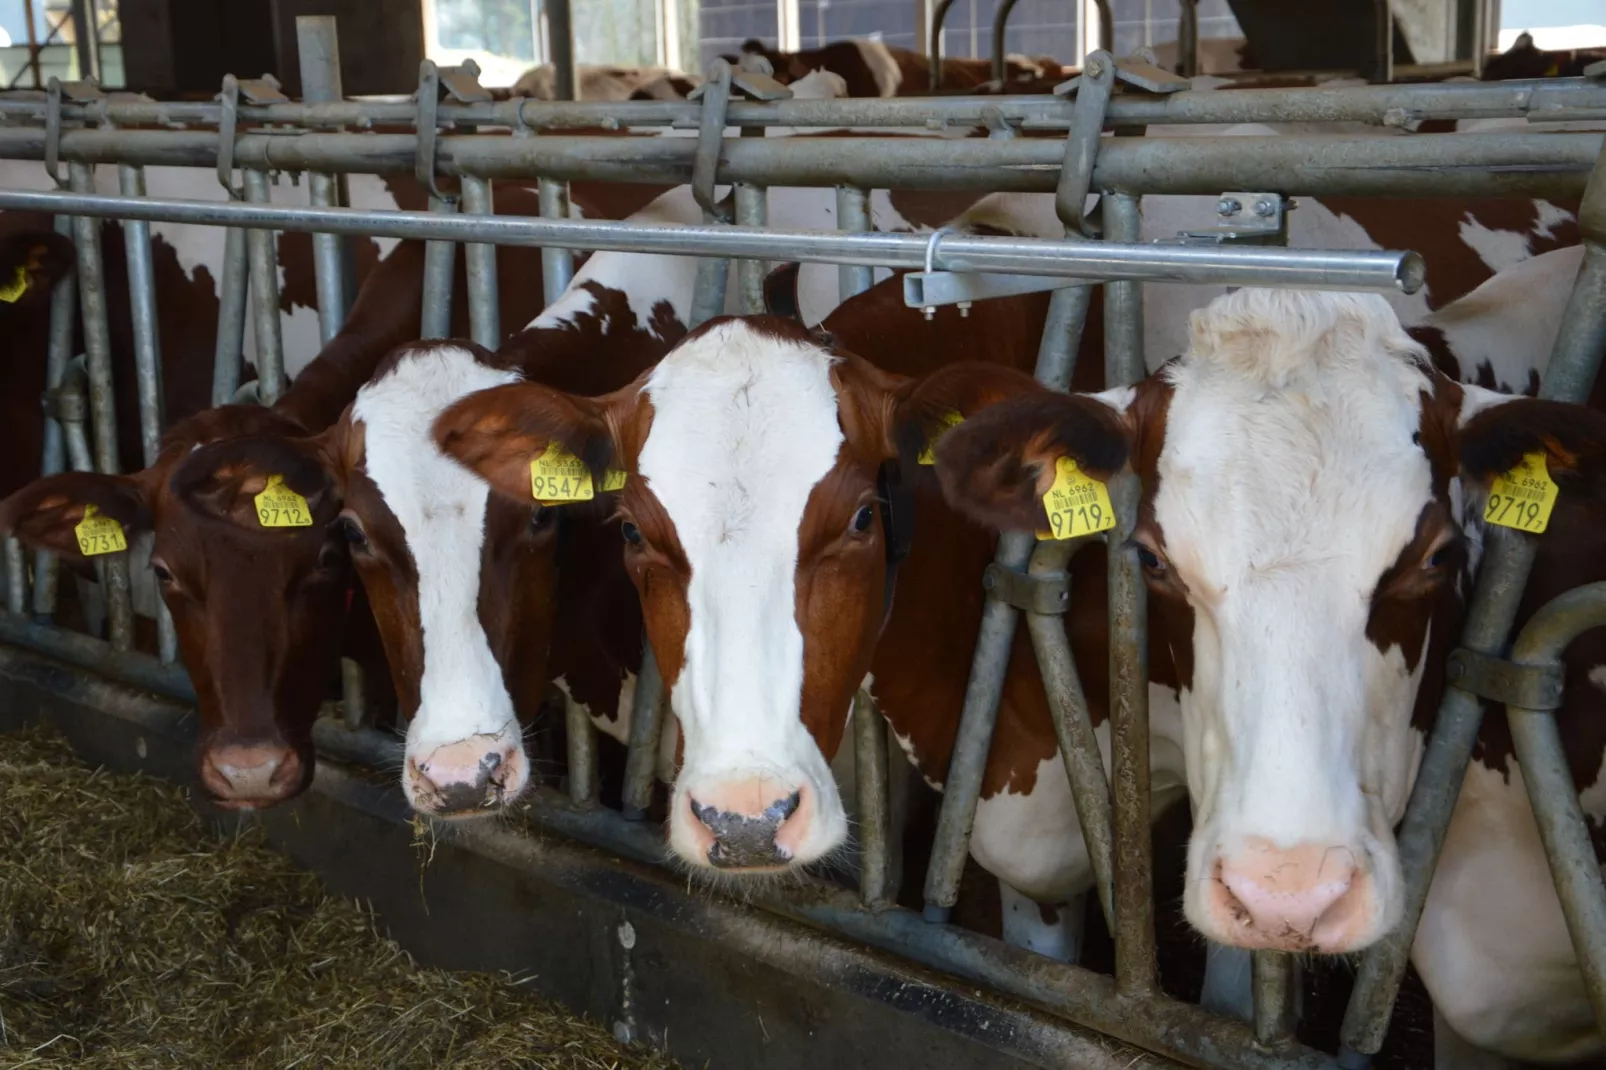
[1501,430]
[47,512]
[924,409]
[498,432]
[31,262]
[997,465]
[224,479]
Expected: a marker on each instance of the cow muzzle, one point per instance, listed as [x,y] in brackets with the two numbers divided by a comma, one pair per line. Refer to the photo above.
[745,826]
[470,776]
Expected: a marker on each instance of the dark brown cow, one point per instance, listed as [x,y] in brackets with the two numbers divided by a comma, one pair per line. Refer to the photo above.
[1524,60]
[873,69]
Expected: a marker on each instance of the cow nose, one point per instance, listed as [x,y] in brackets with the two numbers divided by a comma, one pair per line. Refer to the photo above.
[468,776]
[250,774]
[748,826]
[1311,897]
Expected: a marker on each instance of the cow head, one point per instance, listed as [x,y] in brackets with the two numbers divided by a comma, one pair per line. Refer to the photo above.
[257,610]
[1312,489]
[33,258]
[753,534]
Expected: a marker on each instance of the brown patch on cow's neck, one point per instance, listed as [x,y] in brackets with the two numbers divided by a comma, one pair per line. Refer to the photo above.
[590,350]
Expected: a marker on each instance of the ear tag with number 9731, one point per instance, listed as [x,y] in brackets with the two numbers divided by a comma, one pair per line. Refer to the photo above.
[280,507]
[1523,497]
[99,534]
[1076,503]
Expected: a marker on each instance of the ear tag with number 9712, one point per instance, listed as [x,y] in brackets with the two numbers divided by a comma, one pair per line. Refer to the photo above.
[280,507]
[1076,504]
[1523,497]
[99,534]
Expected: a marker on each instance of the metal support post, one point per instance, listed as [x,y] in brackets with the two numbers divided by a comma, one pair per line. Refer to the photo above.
[86,38]
[934,43]
[353,695]
[1000,25]
[853,217]
[1276,978]
[870,764]
[484,301]
[560,39]
[229,355]
[646,726]
[582,739]
[557,265]
[1382,42]
[439,258]
[58,351]
[1188,39]
[318,43]
[1508,557]
[102,397]
[264,258]
[16,577]
[752,210]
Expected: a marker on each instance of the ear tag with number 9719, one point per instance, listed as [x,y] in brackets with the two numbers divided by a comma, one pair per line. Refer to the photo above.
[280,507]
[1076,504]
[1523,497]
[99,534]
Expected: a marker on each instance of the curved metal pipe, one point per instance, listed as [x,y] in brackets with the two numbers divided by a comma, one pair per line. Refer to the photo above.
[934,42]
[1000,24]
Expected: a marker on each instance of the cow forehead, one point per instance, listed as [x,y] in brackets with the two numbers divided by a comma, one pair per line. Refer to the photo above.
[744,425]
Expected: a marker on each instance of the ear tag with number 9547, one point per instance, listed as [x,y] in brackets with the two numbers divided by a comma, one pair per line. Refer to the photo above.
[99,534]
[1076,503]
[1523,497]
[559,476]
[280,507]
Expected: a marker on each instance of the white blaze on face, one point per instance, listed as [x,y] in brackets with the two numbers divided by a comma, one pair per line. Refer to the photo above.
[744,426]
[440,506]
[1288,484]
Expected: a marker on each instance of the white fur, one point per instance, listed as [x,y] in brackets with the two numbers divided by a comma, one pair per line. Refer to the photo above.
[1511,321]
[744,426]
[440,506]
[883,68]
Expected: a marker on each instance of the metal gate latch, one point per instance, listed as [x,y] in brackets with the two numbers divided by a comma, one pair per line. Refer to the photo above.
[1244,218]
[1533,687]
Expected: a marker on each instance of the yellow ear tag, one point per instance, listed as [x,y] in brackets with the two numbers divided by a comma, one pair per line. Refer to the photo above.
[559,476]
[12,291]
[1524,497]
[1077,504]
[280,507]
[613,479]
[99,534]
[946,423]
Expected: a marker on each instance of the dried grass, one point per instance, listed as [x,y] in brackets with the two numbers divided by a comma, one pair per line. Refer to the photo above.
[131,936]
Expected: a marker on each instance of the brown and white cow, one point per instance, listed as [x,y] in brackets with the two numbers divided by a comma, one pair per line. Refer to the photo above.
[609,82]
[874,69]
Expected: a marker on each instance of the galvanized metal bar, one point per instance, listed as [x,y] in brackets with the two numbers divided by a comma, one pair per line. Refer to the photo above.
[646,726]
[353,694]
[58,351]
[102,396]
[263,253]
[86,38]
[1502,163]
[1382,41]
[1508,558]
[1000,25]
[870,770]
[1275,977]
[1073,722]
[557,264]
[582,743]
[16,576]
[853,217]
[484,303]
[939,15]
[1188,38]
[318,45]
[1129,646]
[439,261]
[751,211]
[1258,266]
[708,291]
[229,355]
[560,42]
[1083,142]
[147,361]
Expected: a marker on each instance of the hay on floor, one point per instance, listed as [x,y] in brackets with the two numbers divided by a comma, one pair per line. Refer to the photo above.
[131,936]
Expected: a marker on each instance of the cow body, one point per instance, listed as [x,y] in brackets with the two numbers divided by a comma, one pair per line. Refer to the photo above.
[873,69]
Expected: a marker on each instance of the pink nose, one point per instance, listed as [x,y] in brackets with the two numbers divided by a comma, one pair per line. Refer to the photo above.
[748,824]
[1310,897]
[250,774]
[468,776]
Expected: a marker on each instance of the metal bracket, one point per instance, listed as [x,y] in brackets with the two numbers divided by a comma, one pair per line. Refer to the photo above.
[462,83]
[1248,218]
[1135,71]
[752,84]
[928,289]
[1534,687]
[228,120]
[715,95]
[429,100]
[1048,595]
[264,90]
[53,132]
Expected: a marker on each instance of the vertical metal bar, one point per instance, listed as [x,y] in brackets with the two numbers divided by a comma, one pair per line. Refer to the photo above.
[1508,557]
[58,351]
[646,726]
[560,38]
[16,577]
[1274,983]
[484,308]
[1382,41]
[353,695]
[708,293]
[752,210]
[853,216]
[1188,39]
[934,42]
[147,362]
[870,768]
[1000,26]
[1129,647]
[264,257]
[85,40]
[230,352]
[557,265]
[439,258]
[102,397]
[582,738]
[33,43]
[318,44]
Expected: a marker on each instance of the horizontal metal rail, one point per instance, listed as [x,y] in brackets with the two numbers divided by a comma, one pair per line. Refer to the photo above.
[1544,100]
[1365,270]
[1426,165]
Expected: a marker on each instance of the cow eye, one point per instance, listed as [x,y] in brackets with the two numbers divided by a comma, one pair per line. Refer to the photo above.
[631,533]
[353,533]
[163,576]
[1439,558]
[862,519]
[542,517]
[1150,560]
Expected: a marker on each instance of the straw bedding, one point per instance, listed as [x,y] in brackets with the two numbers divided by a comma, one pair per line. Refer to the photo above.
[131,936]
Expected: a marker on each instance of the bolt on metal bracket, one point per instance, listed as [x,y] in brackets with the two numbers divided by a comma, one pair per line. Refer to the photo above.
[1245,218]
[1134,71]
[1045,595]
[1534,687]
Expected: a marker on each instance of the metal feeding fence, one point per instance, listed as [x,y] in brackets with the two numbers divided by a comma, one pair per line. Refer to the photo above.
[256,131]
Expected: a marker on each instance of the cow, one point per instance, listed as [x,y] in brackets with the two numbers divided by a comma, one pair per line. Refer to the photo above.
[1525,60]
[874,69]
[609,82]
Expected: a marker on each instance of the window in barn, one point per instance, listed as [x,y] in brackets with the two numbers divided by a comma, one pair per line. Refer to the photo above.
[1553,25]
[40,39]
